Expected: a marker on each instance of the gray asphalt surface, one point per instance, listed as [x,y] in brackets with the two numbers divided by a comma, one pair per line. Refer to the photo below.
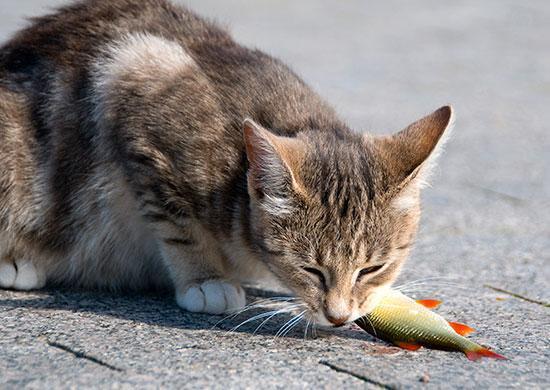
[486,223]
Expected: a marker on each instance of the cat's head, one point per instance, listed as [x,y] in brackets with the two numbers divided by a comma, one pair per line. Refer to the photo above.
[335,215]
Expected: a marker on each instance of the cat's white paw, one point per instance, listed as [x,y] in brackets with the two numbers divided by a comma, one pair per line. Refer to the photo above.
[21,275]
[8,272]
[213,297]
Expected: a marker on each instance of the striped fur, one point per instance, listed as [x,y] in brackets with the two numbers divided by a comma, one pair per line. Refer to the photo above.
[127,163]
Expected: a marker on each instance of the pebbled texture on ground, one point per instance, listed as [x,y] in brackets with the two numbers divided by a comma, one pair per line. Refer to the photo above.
[485,235]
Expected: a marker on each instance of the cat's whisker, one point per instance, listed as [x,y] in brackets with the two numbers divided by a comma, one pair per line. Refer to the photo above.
[285,310]
[256,304]
[365,319]
[294,324]
[276,299]
[263,315]
[285,325]
[434,279]
[256,317]
[305,329]
[270,301]
[290,323]
[233,315]
[230,316]
[431,287]
[299,318]
[428,284]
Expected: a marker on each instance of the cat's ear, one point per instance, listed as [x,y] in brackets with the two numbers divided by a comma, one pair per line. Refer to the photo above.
[411,153]
[274,167]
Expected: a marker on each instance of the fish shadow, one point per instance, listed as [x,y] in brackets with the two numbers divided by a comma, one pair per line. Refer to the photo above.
[160,309]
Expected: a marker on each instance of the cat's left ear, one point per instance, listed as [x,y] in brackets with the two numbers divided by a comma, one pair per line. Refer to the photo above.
[274,167]
[411,153]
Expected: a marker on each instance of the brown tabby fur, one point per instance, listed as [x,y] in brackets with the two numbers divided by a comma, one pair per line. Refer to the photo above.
[126,164]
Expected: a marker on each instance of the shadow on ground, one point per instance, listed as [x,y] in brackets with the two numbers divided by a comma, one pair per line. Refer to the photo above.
[263,315]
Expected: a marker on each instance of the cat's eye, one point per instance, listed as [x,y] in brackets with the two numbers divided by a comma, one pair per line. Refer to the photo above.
[318,273]
[369,270]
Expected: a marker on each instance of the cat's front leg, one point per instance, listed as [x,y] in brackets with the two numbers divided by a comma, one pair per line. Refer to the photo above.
[199,278]
[196,266]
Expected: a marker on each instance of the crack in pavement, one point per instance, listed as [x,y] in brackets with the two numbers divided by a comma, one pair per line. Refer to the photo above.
[516,295]
[357,376]
[82,355]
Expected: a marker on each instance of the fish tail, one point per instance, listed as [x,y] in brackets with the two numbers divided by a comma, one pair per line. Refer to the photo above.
[477,354]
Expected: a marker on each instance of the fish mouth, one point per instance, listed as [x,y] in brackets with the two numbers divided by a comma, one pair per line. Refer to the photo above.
[374,299]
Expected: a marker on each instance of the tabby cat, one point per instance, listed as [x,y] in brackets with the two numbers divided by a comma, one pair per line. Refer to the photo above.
[141,147]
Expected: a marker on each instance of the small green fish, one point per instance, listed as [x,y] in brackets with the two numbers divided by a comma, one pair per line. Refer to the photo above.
[410,325]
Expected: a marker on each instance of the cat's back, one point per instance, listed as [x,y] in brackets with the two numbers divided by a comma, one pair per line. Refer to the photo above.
[71,37]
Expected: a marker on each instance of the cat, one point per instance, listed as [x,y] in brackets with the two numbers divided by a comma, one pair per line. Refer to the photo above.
[141,147]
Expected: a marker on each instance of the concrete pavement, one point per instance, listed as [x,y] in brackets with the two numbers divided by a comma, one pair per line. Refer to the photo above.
[485,235]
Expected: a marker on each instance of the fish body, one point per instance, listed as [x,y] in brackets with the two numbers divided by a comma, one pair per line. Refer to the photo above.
[410,325]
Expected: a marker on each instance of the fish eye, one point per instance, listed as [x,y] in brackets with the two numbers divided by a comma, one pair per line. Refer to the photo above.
[369,270]
[318,273]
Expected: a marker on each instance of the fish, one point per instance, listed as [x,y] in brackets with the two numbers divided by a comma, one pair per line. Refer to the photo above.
[411,324]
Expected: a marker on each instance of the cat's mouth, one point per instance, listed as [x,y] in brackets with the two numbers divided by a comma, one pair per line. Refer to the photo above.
[323,320]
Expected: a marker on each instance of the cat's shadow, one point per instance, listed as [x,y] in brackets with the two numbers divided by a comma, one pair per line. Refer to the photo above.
[160,309]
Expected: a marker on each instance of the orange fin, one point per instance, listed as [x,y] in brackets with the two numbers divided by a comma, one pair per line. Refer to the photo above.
[429,303]
[461,329]
[408,346]
[483,352]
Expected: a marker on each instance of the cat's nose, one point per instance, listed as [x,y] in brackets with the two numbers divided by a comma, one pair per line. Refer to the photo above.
[337,321]
[337,310]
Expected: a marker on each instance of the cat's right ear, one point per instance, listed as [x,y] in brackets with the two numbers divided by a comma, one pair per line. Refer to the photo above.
[274,167]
